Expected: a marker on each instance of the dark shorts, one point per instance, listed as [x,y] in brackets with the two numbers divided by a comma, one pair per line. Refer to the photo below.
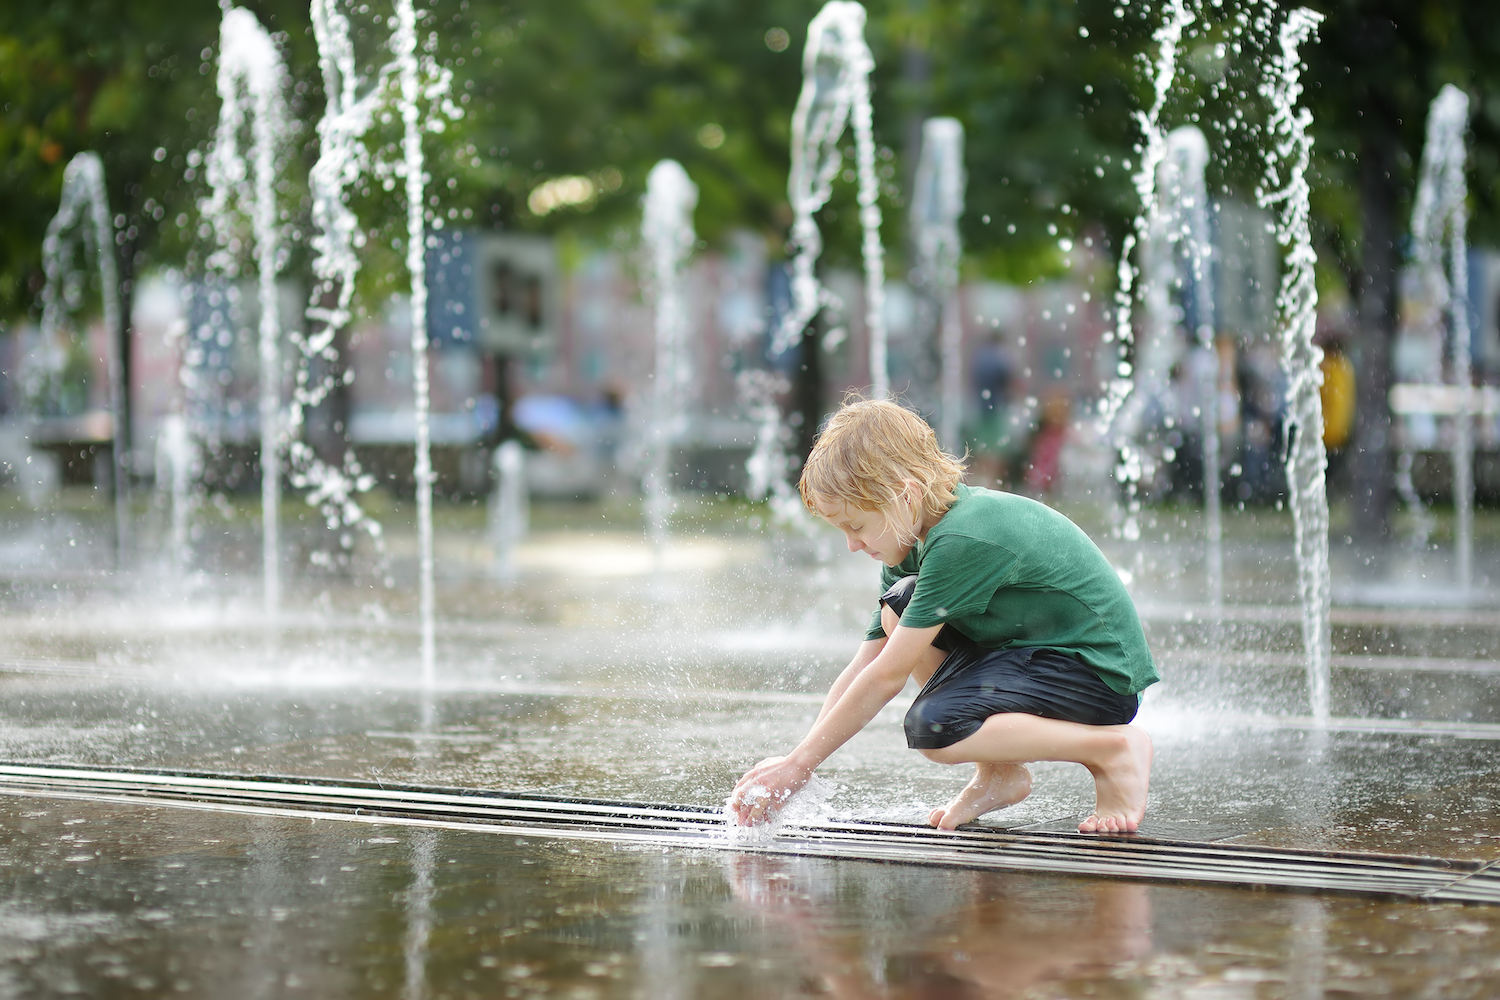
[974,683]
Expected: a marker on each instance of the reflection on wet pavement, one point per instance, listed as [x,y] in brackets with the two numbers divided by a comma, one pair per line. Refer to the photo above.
[109,900]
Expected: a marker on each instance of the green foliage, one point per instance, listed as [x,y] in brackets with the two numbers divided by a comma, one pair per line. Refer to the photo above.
[132,81]
[1376,68]
[605,88]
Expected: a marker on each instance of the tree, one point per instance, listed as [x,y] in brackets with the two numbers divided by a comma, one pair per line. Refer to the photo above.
[1378,65]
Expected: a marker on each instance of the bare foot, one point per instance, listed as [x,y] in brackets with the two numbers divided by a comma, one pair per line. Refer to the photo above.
[994,786]
[1120,785]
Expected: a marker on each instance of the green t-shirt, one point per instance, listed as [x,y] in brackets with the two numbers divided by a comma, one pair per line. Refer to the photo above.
[1010,572]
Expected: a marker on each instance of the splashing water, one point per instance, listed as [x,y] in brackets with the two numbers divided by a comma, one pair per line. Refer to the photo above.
[84,201]
[342,160]
[768,469]
[809,806]
[248,61]
[1119,410]
[177,467]
[937,204]
[420,79]
[667,229]
[509,513]
[1423,523]
[1184,195]
[836,67]
[1440,212]
[1284,189]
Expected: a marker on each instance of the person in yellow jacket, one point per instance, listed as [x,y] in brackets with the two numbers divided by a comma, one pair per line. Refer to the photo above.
[1338,395]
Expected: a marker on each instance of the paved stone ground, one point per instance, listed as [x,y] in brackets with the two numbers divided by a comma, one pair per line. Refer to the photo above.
[598,673]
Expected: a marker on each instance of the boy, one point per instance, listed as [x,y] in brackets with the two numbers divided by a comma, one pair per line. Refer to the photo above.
[1023,638]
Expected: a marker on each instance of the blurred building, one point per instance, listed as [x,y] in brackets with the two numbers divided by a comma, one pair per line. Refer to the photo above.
[560,353]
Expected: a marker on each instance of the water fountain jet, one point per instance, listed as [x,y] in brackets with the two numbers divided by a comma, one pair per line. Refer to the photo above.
[419,79]
[84,201]
[667,229]
[248,60]
[342,160]
[768,468]
[1120,408]
[1285,190]
[1184,190]
[1440,212]
[937,203]
[508,513]
[176,469]
[836,67]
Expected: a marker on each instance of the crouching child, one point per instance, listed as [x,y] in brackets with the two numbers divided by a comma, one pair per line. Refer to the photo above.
[1021,635]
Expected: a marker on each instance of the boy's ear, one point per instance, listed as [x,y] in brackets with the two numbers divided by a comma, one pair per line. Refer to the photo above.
[913,491]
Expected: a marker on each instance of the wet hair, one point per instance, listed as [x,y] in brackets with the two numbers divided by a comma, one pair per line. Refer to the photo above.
[865,454]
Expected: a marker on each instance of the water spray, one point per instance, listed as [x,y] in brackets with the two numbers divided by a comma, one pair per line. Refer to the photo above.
[420,79]
[1116,413]
[84,201]
[937,204]
[1184,193]
[836,67]
[1440,212]
[342,161]
[249,62]
[1284,189]
[667,230]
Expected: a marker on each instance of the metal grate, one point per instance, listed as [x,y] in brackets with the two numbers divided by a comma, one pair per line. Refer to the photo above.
[1134,857]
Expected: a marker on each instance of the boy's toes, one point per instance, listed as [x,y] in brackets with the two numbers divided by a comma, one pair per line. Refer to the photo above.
[935,818]
[1095,823]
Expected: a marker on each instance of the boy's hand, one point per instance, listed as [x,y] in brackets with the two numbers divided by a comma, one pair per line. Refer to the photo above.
[765,788]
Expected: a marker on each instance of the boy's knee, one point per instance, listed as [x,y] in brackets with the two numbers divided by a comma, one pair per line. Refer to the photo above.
[888,619]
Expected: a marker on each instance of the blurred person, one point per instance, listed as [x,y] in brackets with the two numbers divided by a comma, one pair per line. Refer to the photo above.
[1259,377]
[1337,394]
[1023,637]
[1182,432]
[991,436]
[1044,451]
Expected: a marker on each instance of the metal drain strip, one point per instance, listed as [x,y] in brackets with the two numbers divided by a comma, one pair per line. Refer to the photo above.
[1142,858]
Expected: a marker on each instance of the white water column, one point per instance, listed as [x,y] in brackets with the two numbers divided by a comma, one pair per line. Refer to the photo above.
[1284,190]
[1119,409]
[342,160]
[84,201]
[937,203]
[413,166]
[248,61]
[1184,192]
[1438,228]
[836,66]
[667,231]
[509,512]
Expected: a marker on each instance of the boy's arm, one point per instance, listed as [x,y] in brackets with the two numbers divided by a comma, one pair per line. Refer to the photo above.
[866,653]
[867,691]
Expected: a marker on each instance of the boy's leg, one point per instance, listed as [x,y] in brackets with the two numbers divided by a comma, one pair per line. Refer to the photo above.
[1119,758]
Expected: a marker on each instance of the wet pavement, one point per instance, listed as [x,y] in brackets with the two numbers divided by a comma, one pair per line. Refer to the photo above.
[111,901]
[595,675]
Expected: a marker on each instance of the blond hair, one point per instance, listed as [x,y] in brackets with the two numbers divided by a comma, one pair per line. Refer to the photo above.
[866,454]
